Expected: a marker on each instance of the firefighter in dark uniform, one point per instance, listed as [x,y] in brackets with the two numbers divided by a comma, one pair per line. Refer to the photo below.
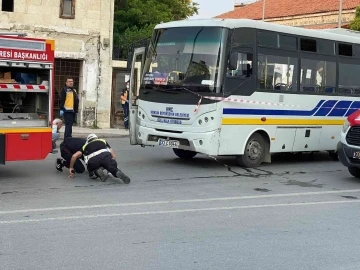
[98,154]
[69,147]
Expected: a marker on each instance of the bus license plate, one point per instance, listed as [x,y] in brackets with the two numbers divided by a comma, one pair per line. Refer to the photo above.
[356,155]
[169,143]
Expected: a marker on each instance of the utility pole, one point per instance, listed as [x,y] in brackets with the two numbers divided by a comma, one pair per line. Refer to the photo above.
[263,12]
[340,13]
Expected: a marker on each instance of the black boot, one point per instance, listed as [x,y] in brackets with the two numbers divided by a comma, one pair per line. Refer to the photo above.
[123,177]
[100,173]
[59,165]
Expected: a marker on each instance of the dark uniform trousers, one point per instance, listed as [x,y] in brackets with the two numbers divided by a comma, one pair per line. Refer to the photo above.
[105,161]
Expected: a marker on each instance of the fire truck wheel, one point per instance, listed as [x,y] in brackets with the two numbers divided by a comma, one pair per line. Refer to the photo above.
[354,171]
[184,154]
[254,152]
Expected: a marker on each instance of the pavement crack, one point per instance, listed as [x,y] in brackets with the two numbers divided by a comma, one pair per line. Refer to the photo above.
[9,192]
[303,184]
[262,189]
[350,197]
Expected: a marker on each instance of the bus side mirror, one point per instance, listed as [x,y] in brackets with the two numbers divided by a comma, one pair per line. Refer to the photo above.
[233,61]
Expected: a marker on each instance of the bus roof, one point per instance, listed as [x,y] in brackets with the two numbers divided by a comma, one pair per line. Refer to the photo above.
[330,34]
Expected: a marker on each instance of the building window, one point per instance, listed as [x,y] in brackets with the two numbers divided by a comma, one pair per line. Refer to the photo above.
[7,5]
[67,9]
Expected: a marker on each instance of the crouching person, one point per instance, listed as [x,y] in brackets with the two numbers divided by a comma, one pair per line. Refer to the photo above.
[68,148]
[97,155]
[56,126]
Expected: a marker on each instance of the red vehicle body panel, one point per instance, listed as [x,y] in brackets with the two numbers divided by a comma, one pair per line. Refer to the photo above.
[27,143]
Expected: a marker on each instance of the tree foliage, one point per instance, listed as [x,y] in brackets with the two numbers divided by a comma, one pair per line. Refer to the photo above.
[355,24]
[135,19]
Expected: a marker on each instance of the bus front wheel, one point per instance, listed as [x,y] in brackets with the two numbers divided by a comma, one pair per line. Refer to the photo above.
[184,154]
[254,152]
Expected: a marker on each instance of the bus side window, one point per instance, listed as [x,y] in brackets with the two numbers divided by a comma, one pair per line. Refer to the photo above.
[240,65]
[277,73]
[318,76]
[349,79]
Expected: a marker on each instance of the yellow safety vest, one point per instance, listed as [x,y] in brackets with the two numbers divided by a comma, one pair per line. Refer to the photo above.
[86,144]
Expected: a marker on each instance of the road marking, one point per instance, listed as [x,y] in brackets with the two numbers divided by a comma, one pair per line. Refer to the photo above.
[174,211]
[78,207]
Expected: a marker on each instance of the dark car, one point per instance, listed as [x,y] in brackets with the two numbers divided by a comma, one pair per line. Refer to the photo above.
[349,146]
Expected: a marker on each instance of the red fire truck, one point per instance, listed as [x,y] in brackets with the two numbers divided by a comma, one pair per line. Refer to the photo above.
[26,97]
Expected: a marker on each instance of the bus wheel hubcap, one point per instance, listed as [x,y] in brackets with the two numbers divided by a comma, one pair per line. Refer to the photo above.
[254,150]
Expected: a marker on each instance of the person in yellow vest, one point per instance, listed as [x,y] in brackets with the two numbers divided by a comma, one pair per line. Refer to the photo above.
[69,105]
[125,104]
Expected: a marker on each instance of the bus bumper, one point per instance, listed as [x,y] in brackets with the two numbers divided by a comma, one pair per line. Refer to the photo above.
[205,143]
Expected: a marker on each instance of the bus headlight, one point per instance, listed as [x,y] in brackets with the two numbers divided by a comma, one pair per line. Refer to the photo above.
[141,115]
[345,126]
[204,120]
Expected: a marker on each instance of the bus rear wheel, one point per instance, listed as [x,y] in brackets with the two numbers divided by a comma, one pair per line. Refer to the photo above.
[254,153]
[184,154]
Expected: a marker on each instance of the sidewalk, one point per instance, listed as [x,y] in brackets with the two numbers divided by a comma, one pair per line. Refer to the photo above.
[103,133]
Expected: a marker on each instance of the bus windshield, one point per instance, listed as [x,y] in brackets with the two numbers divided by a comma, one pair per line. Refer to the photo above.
[184,57]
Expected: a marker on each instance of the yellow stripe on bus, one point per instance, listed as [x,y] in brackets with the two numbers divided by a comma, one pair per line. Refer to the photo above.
[24,130]
[285,122]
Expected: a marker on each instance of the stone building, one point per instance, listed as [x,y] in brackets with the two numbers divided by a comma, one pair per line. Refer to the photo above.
[306,13]
[83,34]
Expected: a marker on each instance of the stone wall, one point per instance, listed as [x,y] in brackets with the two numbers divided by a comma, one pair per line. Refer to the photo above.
[315,19]
[87,37]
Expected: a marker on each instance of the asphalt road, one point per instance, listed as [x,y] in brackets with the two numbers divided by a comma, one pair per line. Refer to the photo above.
[301,212]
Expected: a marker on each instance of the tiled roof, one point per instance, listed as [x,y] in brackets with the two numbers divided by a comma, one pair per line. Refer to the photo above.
[285,8]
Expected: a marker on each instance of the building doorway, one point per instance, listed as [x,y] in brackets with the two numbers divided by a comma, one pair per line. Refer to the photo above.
[64,68]
[119,78]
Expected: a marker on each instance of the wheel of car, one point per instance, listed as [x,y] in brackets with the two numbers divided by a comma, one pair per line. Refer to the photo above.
[184,154]
[354,171]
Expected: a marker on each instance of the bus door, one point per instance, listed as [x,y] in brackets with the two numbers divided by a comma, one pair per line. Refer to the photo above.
[136,70]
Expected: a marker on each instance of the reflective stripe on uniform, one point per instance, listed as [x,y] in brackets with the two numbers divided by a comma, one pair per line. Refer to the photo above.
[101,140]
[87,158]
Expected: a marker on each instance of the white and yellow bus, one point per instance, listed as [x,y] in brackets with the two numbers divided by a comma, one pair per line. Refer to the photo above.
[244,88]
